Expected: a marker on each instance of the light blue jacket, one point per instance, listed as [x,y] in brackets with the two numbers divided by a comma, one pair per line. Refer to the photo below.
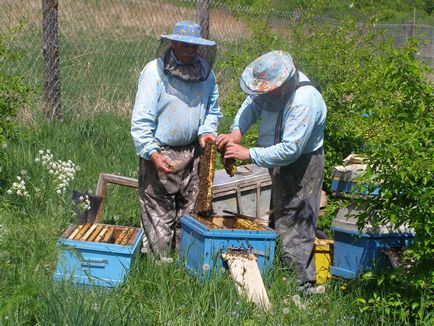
[170,111]
[304,122]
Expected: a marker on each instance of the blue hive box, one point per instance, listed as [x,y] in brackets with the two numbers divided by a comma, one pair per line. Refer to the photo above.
[202,246]
[357,252]
[97,263]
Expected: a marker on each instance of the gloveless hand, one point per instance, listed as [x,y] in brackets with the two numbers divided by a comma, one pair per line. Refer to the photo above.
[205,138]
[237,151]
[162,163]
[223,139]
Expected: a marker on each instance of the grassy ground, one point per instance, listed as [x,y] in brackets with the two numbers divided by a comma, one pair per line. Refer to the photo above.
[152,294]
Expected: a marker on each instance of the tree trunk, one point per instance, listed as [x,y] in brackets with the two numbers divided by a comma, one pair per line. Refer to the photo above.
[202,16]
[51,58]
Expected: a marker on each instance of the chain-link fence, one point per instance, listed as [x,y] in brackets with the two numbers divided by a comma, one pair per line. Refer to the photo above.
[104,44]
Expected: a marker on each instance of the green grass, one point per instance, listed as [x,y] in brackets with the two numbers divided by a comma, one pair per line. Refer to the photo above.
[152,294]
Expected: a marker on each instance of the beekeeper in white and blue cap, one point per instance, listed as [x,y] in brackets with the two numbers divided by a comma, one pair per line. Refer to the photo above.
[175,113]
[292,117]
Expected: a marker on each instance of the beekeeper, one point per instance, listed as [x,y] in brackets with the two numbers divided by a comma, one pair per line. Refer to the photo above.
[292,117]
[175,113]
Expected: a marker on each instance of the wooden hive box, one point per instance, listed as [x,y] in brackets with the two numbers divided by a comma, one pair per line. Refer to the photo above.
[100,255]
[204,241]
[95,253]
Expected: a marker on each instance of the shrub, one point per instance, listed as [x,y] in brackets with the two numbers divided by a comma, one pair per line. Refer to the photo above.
[13,94]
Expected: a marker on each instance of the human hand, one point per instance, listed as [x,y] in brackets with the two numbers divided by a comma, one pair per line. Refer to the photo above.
[205,138]
[223,139]
[162,163]
[237,151]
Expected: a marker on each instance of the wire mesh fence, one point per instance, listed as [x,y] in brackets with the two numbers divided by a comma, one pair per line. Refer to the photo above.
[104,44]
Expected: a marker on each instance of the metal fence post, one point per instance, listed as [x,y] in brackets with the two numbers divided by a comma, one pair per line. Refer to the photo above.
[202,16]
[51,58]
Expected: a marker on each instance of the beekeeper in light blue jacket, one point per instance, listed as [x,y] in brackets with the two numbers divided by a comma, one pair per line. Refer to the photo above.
[175,113]
[292,117]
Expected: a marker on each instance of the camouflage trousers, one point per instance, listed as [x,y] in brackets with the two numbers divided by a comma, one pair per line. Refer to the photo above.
[296,190]
[164,198]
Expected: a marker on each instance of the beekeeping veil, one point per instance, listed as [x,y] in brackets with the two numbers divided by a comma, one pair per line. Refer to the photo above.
[270,80]
[200,68]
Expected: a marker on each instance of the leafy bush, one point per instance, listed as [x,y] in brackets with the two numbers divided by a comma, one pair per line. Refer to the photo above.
[13,94]
[380,104]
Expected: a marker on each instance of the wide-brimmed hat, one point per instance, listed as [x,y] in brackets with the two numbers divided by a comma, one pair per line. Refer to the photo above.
[188,32]
[267,73]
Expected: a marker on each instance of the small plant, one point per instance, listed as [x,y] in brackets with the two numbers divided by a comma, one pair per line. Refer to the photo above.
[48,182]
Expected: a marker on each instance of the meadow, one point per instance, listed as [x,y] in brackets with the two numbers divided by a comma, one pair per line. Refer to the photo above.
[153,294]
[102,54]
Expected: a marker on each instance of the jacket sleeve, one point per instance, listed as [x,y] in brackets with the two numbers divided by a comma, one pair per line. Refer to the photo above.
[298,127]
[144,116]
[213,113]
[246,116]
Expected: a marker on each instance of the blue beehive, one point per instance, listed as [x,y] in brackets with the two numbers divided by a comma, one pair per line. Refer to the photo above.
[357,252]
[96,263]
[201,246]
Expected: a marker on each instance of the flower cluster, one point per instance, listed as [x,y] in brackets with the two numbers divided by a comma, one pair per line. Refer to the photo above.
[19,187]
[63,172]
[84,203]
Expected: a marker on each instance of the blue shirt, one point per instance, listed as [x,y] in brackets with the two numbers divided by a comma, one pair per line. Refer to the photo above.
[304,122]
[170,111]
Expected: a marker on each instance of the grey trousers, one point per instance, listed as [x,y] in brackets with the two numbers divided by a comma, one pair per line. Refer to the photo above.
[296,190]
[164,198]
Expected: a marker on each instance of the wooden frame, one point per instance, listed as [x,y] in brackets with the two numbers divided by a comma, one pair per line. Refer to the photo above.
[101,187]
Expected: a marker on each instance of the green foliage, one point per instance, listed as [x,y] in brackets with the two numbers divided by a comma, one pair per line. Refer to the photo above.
[399,144]
[398,11]
[13,94]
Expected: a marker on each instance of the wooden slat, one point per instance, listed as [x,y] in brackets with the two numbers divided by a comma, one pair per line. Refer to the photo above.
[95,233]
[82,231]
[89,232]
[109,234]
[101,234]
[74,233]
[247,278]
[121,236]
[133,236]
[127,236]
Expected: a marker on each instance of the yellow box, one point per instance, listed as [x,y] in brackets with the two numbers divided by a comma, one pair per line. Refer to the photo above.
[323,259]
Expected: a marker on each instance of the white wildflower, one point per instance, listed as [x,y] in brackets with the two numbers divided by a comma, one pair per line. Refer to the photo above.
[285,310]
[4,145]
[59,191]
[23,172]
[37,159]
[205,267]
[41,152]
[19,188]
